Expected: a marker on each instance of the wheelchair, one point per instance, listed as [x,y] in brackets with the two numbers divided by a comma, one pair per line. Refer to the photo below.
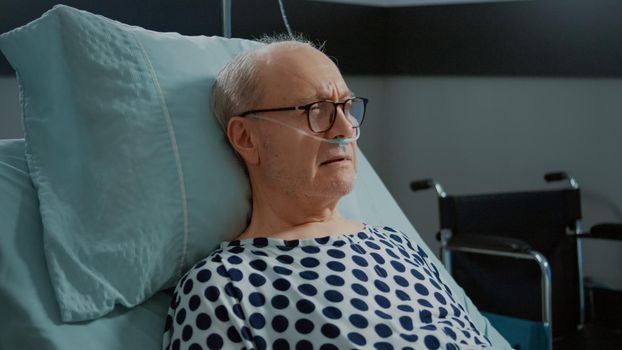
[518,256]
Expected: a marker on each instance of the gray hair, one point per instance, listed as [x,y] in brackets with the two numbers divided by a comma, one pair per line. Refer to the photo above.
[237,85]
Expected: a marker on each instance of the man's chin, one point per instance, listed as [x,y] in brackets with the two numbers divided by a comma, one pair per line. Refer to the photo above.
[343,186]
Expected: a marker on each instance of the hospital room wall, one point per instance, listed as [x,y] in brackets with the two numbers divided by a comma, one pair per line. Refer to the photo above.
[481,134]
[477,134]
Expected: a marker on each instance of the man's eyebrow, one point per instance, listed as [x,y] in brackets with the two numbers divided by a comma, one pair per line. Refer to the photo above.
[346,95]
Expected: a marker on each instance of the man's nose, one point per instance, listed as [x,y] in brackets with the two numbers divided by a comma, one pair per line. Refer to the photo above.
[342,127]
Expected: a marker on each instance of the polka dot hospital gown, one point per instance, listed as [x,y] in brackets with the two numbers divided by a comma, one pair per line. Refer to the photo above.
[373,289]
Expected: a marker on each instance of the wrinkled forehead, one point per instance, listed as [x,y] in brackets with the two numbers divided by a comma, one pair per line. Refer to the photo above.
[298,72]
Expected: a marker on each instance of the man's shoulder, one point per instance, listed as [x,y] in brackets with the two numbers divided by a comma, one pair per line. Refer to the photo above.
[204,269]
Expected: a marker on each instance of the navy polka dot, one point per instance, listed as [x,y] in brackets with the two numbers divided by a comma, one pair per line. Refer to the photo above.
[359,304]
[383,287]
[188,286]
[334,253]
[203,321]
[382,314]
[259,265]
[280,323]
[310,249]
[281,284]
[425,316]
[357,338]
[260,242]
[194,302]
[336,266]
[380,271]
[405,308]
[221,313]
[304,345]
[382,301]
[204,275]
[309,275]
[333,295]
[330,331]
[256,280]
[282,270]
[360,275]
[358,321]
[304,326]
[424,302]
[409,337]
[417,274]
[328,347]
[181,316]
[234,335]
[307,289]
[257,321]
[260,342]
[335,280]
[383,345]
[305,306]
[256,299]
[360,261]
[402,295]
[309,262]
[431,342]
[280,344]
[360,289]
[234,260]
[214,341]
[186,333]
[280,302]
[449,332]
[406,322]
[285,259]
[421,289]
[379,259]
[331,312]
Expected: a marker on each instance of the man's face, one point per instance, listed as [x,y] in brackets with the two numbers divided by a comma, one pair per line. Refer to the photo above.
[294,75]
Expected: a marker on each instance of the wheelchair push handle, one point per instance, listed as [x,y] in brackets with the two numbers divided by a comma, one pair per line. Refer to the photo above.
[560,176]
[555,176]
[420,185]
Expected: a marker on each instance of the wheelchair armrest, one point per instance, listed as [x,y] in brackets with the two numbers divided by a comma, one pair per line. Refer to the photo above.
[496,243]
[605,231]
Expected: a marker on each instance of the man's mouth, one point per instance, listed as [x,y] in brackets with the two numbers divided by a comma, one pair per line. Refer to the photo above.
[335,160]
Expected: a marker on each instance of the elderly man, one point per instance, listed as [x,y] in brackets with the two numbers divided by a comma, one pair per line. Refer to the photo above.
[301,275]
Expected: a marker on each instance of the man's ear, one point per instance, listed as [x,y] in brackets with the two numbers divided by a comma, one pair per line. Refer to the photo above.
[242,139]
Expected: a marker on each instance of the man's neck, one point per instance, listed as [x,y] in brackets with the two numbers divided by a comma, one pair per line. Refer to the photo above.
[286,217]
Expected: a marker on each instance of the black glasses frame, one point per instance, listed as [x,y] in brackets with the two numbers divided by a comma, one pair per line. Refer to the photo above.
[307,108]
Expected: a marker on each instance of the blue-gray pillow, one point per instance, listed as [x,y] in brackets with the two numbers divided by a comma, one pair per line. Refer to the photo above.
[134,175]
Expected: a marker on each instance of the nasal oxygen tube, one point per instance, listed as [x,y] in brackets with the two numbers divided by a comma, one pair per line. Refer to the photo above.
[341,141]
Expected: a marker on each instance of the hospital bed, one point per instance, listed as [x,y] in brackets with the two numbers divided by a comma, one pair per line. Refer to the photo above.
[123,181]
[530,244]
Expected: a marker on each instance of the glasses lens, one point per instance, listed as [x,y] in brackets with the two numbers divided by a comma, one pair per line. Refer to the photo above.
[355,111]
[321,116]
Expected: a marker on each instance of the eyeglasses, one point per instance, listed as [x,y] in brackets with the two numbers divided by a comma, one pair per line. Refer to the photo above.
[321,115]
